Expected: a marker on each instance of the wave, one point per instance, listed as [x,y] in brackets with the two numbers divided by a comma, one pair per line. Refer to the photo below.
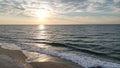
[80,59]
[81,47]
[82,37]
[76,47]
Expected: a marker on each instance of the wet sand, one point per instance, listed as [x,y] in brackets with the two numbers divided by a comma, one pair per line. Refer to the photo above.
[16,59]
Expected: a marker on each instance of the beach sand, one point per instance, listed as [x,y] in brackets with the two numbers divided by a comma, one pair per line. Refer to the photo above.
[16,59]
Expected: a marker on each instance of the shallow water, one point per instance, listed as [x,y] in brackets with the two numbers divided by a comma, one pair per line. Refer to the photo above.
[88,45]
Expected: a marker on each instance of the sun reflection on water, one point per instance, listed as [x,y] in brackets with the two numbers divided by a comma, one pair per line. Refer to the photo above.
[41,32]
[37,57]
[41,27]
[42,36]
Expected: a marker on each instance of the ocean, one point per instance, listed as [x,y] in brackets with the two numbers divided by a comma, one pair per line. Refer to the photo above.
[86,45]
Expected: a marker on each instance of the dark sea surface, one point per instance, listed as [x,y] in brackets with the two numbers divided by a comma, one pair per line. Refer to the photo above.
[87,45]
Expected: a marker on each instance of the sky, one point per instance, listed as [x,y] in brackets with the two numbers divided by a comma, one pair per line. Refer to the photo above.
[59,11]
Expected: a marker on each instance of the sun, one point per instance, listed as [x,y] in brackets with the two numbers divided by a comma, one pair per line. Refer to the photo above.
[42,14]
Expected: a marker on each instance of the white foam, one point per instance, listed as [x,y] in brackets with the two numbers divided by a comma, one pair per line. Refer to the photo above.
[76,58]
[88,61]
[9,46]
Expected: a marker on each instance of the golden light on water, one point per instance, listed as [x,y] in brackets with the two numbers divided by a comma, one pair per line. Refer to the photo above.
[41,27]
[42,32]
[37,57]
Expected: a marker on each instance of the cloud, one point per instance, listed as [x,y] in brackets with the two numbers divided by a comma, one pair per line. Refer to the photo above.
[56,7]
[10,7]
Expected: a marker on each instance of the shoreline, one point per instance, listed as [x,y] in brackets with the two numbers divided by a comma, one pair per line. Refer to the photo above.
[17,59]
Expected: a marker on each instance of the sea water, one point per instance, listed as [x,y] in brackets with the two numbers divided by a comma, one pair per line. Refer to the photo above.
[86,45]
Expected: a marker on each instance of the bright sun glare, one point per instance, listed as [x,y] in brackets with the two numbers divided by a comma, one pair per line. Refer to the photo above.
[41,27]
[42,14]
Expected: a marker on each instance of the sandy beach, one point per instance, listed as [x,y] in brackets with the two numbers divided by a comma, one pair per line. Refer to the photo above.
[16,59]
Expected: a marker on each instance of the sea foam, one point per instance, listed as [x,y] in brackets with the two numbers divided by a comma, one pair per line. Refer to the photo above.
[80,59]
